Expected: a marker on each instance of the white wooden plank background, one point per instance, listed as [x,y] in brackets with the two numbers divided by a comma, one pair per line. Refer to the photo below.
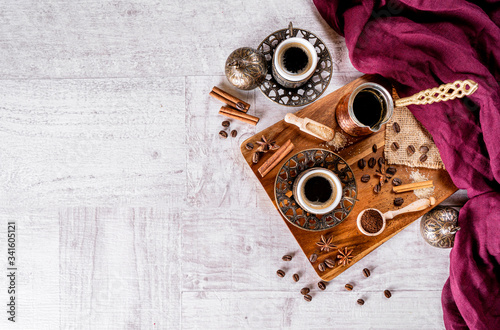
[131,212]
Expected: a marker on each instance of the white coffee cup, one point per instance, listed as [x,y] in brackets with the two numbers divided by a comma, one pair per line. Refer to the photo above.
[317,206]
[287,78]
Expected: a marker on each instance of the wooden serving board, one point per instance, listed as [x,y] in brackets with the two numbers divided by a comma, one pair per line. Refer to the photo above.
[346,234]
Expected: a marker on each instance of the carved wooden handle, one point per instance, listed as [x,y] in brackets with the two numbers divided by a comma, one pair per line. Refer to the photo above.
[442,93]
[417,205]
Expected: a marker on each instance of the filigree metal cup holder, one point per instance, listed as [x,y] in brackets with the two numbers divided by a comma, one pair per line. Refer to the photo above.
[314,87]
[302,161]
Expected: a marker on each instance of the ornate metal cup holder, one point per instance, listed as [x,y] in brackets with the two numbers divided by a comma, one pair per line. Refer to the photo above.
[302,161]
[314,87]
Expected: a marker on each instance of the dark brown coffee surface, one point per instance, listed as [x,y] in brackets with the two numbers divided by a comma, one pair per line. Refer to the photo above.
[318,189]
[368,108]
[295,59]
[371,221]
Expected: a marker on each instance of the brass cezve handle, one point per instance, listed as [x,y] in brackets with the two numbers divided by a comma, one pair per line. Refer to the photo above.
[444,92]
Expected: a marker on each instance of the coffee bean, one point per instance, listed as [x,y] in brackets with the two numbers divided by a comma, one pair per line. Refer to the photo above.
[234,133]
[223,134]
[321,285]
[361,163]
[313,257]
[424,149]
[329,263]
[249,146]
[410,150]
[372,162]
[286,257]
[423,158]
[296,277]
[398,201]
[391,170]
[387,293]
[226,123]
[377,188]
[305,291]
[280,273]
[395,146]
[307,297]
[365,178]
[240,106]
[255,157]
[396,127]
[348,287]
[374,148]
[396,182]
[361,302]
[381,161]
[321,267]
[366,272]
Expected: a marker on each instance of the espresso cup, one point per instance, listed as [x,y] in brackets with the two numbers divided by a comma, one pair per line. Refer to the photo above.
[294,62]
[317,190]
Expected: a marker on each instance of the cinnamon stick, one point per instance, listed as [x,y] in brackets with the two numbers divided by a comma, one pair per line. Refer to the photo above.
[413,186]
[231,100]
[276,158]
[235,114]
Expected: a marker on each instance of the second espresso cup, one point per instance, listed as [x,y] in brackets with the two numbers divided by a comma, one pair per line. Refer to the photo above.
[294,62]
[317,190]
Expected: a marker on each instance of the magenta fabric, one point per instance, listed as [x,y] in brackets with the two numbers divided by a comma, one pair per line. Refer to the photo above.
[419,45]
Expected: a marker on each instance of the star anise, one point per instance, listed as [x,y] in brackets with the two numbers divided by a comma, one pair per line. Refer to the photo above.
[344,257]
[265,145]
[326,244]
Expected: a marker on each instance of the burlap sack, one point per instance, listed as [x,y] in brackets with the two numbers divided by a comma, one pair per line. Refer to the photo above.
[411,133]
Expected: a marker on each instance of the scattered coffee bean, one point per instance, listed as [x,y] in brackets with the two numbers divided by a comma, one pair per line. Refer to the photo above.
[391,170]
[361,302]
[372,162]
[396,127]
[374,148]
[226,123]
[321,267]
[307,297]
[424,149]
[249,146]
[398,201]
[377,188]
[305,291]
[321,285]
[365,178]
[296,277]
[240,106]
[361,163]
[423,158]
[223,134]
[395,146]
[387,293]
[396,182]
[255,157]
[348,287]
[313,257]
[410,150]
[286,257]
[366,272]
[280,273]
[234,133]
[381,161]
[329,263]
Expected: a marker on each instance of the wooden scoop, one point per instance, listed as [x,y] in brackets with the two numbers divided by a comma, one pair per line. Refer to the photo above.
[417,205]
[311,127]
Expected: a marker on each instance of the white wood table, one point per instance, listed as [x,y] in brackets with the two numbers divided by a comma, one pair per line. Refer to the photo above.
[131,213]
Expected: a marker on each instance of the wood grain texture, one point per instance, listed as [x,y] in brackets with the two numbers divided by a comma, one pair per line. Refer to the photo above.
[132,213]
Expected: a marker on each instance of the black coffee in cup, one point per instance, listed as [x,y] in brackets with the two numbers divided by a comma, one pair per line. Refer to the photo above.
[369,107]
[295,59]
[318,189]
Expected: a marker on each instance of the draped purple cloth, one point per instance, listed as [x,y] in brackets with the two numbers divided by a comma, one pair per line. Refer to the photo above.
[419,45]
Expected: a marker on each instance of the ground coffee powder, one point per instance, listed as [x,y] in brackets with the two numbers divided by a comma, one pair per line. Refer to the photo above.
[371,221]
